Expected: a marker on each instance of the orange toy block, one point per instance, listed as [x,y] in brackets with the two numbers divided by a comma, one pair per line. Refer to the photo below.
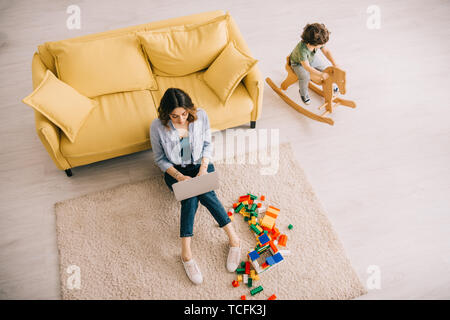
[243,297]
[282,241]
[272,297]
[262,198]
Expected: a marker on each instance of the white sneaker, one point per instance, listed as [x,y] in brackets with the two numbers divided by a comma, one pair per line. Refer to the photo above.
[193,271]
[234,258]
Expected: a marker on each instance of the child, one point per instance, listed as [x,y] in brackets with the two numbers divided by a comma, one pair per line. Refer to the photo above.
[305,61]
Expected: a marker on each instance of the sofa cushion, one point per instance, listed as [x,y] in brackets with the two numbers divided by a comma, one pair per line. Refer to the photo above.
[103,66]
[239,105]
[182,50]
[227,71]
[120,121]
[61,104]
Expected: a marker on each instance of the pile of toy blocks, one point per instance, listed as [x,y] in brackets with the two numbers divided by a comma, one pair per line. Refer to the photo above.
[265,254]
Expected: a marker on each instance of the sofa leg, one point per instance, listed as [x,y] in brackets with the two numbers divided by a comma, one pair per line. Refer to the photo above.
[253,124]
[68,172]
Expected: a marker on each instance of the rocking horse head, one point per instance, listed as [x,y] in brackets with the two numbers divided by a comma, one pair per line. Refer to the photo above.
[337,76]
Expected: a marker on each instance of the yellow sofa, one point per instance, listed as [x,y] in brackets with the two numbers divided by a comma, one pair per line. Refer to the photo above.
[120,124]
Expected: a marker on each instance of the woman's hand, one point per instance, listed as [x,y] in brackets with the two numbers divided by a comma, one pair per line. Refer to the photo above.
[203,170]
[182,177]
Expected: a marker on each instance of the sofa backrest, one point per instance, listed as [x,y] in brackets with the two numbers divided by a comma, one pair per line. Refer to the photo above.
[49,61]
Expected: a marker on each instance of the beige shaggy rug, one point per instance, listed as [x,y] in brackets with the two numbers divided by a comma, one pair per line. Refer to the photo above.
[124,243]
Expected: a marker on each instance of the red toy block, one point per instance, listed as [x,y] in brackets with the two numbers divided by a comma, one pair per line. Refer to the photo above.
[264,265]
[273,247]
[262,198]
[230,213]
[235,205]
[235,283]
[244,198]
[275,233]
[243,297]
[250,201]
[272,297]
[247,267]
[282,241]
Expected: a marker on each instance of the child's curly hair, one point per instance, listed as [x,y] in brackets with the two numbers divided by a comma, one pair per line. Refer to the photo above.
[315,34]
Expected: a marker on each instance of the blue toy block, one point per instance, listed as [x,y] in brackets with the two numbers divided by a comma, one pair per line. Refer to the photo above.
[263,239]
[270,261]
[253,255]
[277,257]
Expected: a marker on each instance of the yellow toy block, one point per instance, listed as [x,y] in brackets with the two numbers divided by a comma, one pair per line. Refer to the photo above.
[252,274]
[239,278]
[268,221]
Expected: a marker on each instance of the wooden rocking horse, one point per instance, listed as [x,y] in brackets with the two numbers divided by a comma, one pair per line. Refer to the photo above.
[336,75]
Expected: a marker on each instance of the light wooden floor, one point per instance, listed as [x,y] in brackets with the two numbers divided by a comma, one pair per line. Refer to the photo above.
[382,172]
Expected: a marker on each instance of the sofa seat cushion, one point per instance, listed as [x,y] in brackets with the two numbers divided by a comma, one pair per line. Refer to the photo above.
[238,105]
[120,121]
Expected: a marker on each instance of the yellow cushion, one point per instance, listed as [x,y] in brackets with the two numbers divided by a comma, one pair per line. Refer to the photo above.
[61,104]
[120,123]
[227,71]
[103,66]
[183,50]
[237,110]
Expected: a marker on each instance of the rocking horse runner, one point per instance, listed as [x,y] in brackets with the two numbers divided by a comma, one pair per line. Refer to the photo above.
[304,66]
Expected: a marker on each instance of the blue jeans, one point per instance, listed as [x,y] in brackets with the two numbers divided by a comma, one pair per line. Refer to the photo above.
[320,63]
[189,206]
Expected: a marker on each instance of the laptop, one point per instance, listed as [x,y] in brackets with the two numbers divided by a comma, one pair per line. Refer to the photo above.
[195,186]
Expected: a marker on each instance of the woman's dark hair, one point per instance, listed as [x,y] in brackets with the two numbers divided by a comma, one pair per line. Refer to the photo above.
[172,99]
[315,34]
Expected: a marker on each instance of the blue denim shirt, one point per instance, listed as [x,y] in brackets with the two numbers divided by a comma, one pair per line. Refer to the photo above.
[166,144]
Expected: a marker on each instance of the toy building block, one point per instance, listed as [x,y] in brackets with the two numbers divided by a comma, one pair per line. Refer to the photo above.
[245,278]
[274,211]
[239,207]
[249,282]
[260,210]
[239,278]
[264,239]
[247,267]
[267,221]
[252,274]
[235,205]
[275,233]
[243,297]
[270,261]
[272,297]
[273,248]
[256,290]
[235,283]
[240,270]
[255,229]
[253,197]
[262,198]
[253,255]
[259,205]
[277,257]
[265,265]
[282,240]
[290,227]
[244,198]
[256,278]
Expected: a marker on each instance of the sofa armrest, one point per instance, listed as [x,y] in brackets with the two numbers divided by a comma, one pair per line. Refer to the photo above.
[49,134]
[253,81]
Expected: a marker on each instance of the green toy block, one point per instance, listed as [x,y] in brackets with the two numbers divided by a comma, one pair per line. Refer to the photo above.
[246,219]
[290,227]
[253,197]
[240,270]
[250,282]
[254,229]
[238,208]
[254,206]
[256,290]
[243,264]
